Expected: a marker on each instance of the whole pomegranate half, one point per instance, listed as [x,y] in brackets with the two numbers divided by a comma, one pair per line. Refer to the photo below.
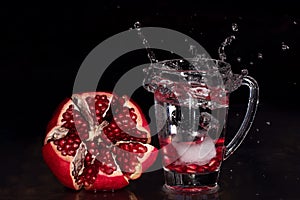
[98,141]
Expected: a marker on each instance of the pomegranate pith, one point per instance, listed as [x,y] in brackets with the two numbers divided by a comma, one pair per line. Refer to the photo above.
[98,141]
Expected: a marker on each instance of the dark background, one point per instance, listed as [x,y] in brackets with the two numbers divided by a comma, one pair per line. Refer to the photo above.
[44,45]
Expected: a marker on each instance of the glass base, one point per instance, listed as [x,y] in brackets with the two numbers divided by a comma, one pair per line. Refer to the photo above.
[191,183]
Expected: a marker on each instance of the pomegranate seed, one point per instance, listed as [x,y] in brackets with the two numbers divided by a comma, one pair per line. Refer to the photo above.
[179,168]
[142,149]
[190,171]
[109,171]
[64,153]
[86,183]
[200,169]
[61,142]
[70,141]
[192,166]
[89,171]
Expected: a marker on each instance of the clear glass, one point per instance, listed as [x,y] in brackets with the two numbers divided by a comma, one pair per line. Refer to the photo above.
[191,105]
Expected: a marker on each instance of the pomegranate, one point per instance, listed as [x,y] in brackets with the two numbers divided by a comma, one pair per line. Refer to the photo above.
[98,141]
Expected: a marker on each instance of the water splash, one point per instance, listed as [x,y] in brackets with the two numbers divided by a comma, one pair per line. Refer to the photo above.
[284,47]
[235,27]
[150,53]
[193,50]
[260,56]
[137,26]
[221,50]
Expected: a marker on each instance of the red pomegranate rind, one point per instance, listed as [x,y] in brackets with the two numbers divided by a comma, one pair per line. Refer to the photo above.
[54,162]
[92,176]
[104,182]
[149,159]
[53,122]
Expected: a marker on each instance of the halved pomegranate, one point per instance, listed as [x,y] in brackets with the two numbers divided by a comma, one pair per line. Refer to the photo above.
[98,141]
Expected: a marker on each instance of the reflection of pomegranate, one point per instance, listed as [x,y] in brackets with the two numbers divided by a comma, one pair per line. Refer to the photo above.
[98,141]
[87,195]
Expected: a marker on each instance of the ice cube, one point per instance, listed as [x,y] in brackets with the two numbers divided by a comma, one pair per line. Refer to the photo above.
[200,153]
[209,122]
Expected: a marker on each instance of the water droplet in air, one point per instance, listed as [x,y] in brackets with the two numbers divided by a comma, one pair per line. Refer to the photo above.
[260,55]
[231,170]
[257,194]
[284,47]
[251,63]
[294,22]
[239,59]
[237,114]
[295,83]
[118,6]
[258,142]
[137,25]
[235,27]
[268,123]
[257,130]
[221,50]
[244,72]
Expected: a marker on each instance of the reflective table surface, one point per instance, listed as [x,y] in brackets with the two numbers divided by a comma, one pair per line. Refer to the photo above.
[266,166]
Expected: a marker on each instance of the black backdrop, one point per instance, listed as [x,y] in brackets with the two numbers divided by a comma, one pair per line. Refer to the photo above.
[43,47]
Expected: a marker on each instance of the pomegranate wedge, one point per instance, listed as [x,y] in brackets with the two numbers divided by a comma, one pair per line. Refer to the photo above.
[98,141]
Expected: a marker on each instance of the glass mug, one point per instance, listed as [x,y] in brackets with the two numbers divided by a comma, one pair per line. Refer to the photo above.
[191,104]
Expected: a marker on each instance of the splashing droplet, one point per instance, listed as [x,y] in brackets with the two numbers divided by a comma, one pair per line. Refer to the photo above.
[258,142]
[193,50]
[151,55]
[268,123]
[224,44]
[257,130]
[235,27]
[251,63]
[239,59]
[244,72]
[137,25]
[284,47]
[260,55]
[294,22]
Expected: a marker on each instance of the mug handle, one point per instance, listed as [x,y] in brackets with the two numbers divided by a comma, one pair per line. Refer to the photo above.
[249,116]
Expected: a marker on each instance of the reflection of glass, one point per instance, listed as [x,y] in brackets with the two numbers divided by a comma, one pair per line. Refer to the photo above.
[89,195]
[191,105]
[191,196]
